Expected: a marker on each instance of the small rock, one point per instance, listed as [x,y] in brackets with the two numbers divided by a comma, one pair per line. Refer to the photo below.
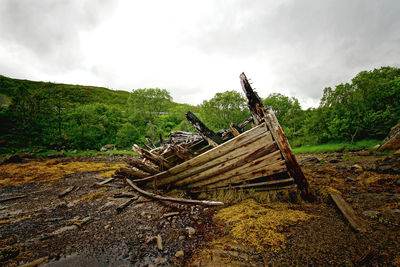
[364,153]
[376,147]
[357,168]
[333,161]
[107,226]
[310,159]
[179,254]
[371,214]
[181,237]
[160,261]
[398,182]
[191,230]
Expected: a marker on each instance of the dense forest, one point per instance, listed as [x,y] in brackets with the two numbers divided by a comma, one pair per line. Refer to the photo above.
[43,115]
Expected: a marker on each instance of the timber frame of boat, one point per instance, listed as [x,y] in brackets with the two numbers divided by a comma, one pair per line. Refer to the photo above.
[259,158]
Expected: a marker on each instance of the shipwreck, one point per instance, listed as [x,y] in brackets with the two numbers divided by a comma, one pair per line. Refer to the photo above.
[259,158]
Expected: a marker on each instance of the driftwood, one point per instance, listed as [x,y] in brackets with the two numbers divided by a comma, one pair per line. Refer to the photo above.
[348,213]
[106,181]
[66,191]
[126,204]
[176,200]
[12,198]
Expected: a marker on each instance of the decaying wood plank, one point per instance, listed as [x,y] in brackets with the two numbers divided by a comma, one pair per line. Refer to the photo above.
[126,204]
[12,198]
[234,155]
[146,146]
[244,124]
[106,181]
[254,100]
[141,165]
[158,160]
[210,154]
[227,166]
[280,138]
[234,129]
[236,174]
[212,138]
[66,191]
[131,172]
[177,200]
[150,142]
[348,213]
[35,262]
[247,186]
[253,172]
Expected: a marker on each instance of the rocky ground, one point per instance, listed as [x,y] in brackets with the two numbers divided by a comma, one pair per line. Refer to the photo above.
[84,227]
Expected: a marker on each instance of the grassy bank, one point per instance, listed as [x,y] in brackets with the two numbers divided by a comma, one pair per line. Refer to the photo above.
[335,146]
[74,153]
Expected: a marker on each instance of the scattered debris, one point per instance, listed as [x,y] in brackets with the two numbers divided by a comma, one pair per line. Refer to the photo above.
[4,199]
[126,204]
[348,213]
[107,148]
[159,242]
[66,191]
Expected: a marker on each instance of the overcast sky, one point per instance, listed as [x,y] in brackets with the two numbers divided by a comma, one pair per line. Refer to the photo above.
[197,48]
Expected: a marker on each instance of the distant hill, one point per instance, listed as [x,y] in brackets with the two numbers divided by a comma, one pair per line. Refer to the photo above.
[10,87]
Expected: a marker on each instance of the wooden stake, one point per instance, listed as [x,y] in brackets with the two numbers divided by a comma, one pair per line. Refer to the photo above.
[212,138]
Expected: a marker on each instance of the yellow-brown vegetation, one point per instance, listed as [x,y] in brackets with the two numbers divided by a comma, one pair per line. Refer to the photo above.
[260,225]
[49,170]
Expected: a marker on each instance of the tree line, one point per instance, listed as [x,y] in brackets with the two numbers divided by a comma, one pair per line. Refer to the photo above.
[59,116]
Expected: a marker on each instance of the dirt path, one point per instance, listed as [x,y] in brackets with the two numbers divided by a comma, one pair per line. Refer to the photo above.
[84,229]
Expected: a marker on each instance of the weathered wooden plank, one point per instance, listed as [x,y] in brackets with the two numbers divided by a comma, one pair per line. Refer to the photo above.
[141,165]
[234,129]
[244,124]
[246,186]
[225,160]
[152,157]
[251,173]
[254,162]
[131,172]
[348,213]
[212,138]
[210,154]
[283,144]
[177,200]
[254,100]
[229,165]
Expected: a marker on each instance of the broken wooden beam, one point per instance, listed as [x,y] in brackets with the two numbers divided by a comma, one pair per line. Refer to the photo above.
[212,138]
[254,100]
[106,181]
[176,200]
[234,129]
[158,160]
[348,213]
[137,163]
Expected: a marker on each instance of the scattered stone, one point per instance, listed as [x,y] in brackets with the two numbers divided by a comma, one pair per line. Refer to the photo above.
[333,161]
[191,231]
[310,159]
[160,261]
[371,214]
[107,148]
[364,153]
[181,237]
[107,226]
[179,254]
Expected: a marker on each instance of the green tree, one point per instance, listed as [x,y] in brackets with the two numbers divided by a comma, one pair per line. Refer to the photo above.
[224,108]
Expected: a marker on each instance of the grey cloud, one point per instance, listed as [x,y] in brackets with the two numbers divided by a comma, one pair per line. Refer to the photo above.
[309,44]
[50,30]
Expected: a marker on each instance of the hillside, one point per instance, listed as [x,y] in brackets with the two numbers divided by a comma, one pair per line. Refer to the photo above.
[74,93]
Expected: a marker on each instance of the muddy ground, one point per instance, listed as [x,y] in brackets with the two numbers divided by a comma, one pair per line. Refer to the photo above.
[84,228]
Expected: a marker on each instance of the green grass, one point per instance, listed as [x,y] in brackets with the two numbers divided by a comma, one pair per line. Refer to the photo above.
[78,153]
[363,144]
